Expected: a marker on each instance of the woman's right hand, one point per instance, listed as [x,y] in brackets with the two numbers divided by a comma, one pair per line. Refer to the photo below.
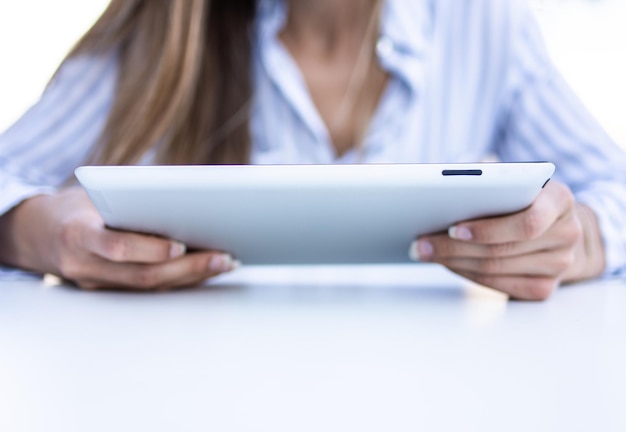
[64,235]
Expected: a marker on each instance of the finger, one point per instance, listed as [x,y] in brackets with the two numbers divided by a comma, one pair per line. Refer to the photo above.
[186,271]
[518,287]
[435,248]
[553,202]
[549,263]
[563,234]
[125,247]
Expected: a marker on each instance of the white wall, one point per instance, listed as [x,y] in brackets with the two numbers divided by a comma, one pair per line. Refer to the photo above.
[586,37]
[587,40]
[35,35]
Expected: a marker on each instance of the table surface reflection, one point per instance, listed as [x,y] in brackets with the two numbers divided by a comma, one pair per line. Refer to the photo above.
[376,348]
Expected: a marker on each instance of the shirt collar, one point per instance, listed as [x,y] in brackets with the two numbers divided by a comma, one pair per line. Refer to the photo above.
[409,25]
[404,41]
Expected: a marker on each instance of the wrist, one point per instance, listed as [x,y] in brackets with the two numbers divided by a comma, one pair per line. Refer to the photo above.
[590,254]
[19,231]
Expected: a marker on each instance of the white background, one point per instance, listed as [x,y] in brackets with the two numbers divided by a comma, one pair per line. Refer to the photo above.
[587,39]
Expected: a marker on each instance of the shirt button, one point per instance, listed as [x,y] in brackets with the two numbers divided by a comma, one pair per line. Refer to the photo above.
[385,46]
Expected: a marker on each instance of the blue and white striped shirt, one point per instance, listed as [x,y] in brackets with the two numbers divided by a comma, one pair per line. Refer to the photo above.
[470,80]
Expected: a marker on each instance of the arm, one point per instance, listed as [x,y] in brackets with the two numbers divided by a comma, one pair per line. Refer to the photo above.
[39,153]
[528,254]
[63,234]
[47,229]
[574,230]
[545,120]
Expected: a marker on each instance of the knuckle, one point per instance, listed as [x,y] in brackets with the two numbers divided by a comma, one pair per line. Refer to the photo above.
[69,268]
[487,281]
[481,232]
[494,282]
[115,248]
[147,278]
[531,224]
[443,248]
[562,263]
[490,265]
[574,231]
[87,285]
[541,290]
[568,197]
[500,249]
[199,267]
[69,233]
[565,261]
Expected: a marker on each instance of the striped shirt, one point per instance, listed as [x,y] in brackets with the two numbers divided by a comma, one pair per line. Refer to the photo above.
[470,80]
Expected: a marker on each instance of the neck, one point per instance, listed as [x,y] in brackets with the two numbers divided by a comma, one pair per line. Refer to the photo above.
[329,25]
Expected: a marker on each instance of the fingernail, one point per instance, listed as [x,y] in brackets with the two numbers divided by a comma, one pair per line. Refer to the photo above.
[413,253]
[177,249]
[421,250]
[222,263]
[425,250]
[460,233]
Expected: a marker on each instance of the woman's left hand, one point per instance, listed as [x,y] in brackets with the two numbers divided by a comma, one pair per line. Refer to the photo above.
[527,254]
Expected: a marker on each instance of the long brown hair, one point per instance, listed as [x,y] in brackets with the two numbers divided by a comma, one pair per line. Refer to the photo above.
[184,82]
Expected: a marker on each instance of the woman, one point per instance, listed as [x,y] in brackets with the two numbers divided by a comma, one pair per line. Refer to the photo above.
[312,81]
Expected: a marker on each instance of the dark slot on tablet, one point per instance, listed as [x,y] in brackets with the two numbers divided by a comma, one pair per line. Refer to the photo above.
[448,173]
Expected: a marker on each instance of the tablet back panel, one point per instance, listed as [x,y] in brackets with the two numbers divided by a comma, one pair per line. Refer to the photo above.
[308,214]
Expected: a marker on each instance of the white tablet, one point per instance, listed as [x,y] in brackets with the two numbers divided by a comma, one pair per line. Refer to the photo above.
[308,214]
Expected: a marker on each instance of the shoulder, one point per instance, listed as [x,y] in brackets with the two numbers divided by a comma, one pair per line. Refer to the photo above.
[460,22]
[488,33]
[81,70]
[475,18]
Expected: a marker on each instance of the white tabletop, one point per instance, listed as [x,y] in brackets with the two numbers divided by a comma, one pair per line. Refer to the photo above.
[394,348]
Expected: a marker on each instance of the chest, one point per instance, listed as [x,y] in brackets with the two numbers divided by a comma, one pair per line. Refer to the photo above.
[408,110]
[346,112]
[345,93]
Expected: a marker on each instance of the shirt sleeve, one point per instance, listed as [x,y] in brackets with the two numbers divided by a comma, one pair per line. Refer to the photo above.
[545,121]
[41,150]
